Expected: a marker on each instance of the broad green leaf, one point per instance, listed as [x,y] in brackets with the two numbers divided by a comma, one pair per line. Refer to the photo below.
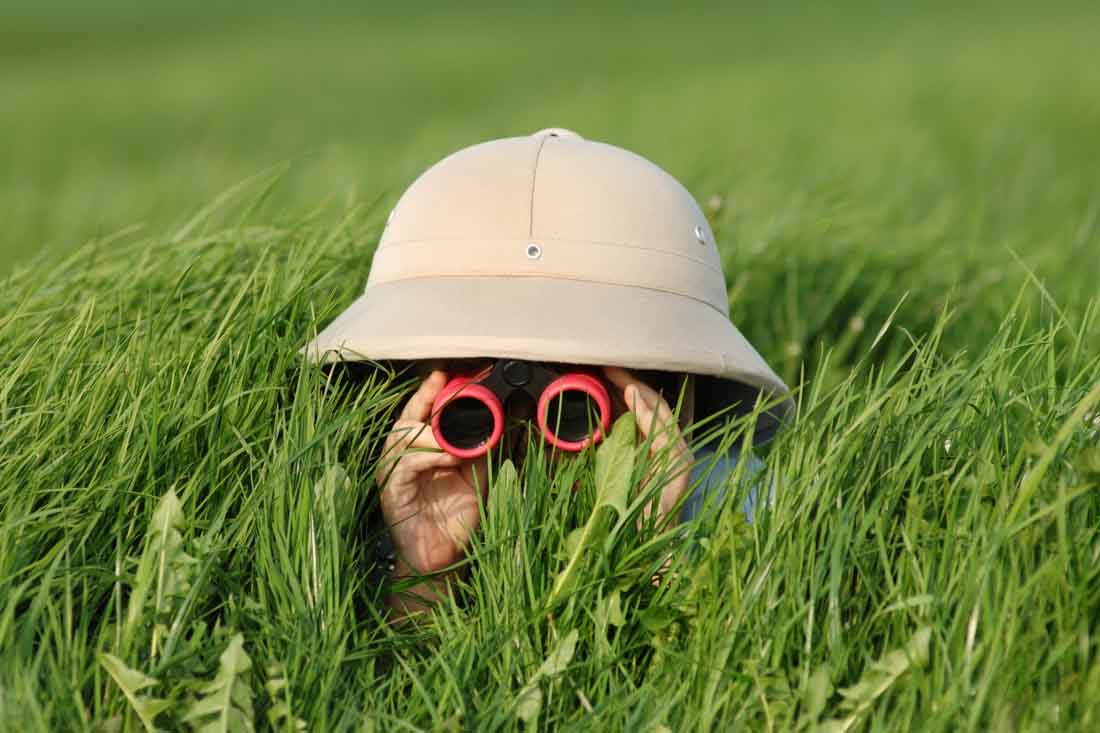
[504,487]
[610,610]
[334,497]
[657,618]
[164,570]
[614,466]
[1088,462]
[131,681]
[226,702]
[279,714]
[573,541]
[816,694]
[528,703]
[886,670]
[881,675]
[506,474]
[560,658]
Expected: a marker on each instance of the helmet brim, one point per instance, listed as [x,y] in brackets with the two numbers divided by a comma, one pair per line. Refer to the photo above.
[551,319]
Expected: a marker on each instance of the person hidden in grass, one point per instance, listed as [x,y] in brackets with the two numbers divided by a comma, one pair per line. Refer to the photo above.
[546,255]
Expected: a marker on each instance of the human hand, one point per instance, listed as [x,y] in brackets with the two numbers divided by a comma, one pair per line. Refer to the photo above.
[429,497]
[668,449]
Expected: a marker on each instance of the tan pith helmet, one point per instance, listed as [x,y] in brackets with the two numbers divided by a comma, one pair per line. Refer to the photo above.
[554,248]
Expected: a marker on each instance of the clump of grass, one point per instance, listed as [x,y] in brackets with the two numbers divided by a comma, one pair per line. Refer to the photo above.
[181,493]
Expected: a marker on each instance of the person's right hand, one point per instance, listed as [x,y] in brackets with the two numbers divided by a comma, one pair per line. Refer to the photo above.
[429,497]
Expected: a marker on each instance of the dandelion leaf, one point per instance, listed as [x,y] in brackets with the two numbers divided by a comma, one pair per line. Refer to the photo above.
[164,570]
[528,703]
[504,488]
[226,702]
[815,695]
[560,658]
[880,676]
[614,466]
[886,670]
[610,610]
[131,681]
[279,714]
[334,497]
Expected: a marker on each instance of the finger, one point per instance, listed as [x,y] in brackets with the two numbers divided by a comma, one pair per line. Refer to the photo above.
[413,434]
[637,404]
[659,433]
[649,419]
[419,406]
[667,448]
[672,493]
[411,466]
[624,380]
[658,422]
[654,399]
[406,438]
[621,378]
[415,464]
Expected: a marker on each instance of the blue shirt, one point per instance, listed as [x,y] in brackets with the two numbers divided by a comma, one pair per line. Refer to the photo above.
[712,476]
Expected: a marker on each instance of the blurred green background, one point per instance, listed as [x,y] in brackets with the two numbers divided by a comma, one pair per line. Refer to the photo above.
[122,113]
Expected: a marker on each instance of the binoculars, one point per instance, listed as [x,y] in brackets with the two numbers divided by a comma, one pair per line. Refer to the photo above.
[572,408]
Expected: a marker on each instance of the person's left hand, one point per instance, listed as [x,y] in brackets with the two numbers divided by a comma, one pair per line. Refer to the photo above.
[668,450]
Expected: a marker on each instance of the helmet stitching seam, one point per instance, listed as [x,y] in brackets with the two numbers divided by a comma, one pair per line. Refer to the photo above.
[414,242]
[534,178]
[553,277]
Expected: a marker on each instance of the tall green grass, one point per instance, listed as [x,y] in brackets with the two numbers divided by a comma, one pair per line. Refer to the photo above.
[907,208]
[178,490]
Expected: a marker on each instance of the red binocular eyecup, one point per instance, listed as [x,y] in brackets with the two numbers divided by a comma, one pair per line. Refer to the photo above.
[572,409]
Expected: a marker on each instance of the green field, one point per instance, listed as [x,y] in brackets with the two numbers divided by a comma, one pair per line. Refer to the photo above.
[908,202]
